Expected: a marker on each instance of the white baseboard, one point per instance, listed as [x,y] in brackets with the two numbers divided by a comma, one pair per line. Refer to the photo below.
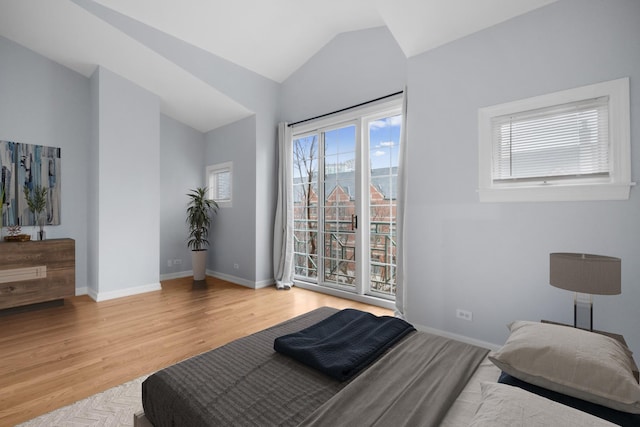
[241,281]
[265,283]
[103,296]
[92,294]
[232,279]
[457,337]
[82,291]
[177,275]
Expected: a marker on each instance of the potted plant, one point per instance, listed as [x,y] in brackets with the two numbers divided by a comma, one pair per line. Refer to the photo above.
[199,212]
[37,202]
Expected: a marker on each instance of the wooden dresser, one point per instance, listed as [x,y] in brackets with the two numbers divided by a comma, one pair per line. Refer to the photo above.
[36,271]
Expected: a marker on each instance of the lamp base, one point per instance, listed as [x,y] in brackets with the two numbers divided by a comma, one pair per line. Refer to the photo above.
[582,303]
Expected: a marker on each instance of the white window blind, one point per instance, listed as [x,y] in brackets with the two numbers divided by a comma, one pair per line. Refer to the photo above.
[221,185]
[219,181]
[559,142]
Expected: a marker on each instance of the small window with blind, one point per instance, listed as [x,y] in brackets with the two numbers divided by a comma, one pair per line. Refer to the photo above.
[569,145]
[219,179]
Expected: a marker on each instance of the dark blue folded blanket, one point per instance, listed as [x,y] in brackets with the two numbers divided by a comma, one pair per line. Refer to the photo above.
[344,343]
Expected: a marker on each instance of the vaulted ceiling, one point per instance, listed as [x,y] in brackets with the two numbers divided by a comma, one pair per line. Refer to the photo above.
[271,38]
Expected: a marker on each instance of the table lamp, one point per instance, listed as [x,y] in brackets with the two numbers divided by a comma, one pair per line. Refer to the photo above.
[586,274]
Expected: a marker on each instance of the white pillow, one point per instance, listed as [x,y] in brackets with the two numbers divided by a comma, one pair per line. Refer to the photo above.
[571,361]
[508,406]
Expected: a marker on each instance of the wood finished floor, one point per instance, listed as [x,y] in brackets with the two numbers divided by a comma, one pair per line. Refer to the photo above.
[55,356]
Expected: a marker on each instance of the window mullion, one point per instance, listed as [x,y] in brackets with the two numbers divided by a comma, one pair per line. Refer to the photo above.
[362,210]
[321,209]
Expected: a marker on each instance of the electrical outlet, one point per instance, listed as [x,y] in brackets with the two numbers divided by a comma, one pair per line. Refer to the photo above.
[177,261]
[236,266]
[464,314]
[169,263]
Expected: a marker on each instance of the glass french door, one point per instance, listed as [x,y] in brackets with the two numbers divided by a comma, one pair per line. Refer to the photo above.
[383,142]
[340,202]
[344,179]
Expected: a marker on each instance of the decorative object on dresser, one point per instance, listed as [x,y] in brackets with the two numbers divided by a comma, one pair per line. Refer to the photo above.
[199,212]
[36,198]
[15,234]
[36,272]
[585,274]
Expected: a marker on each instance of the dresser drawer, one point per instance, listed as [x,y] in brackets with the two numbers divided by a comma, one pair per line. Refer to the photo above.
[34,272]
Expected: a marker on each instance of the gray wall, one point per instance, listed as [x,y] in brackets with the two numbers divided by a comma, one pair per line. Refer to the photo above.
[128,174]
[353,67]
[492,258]
[232,234]
[93,198]
[42,102]
[266,185]
[258,95]
[181,169]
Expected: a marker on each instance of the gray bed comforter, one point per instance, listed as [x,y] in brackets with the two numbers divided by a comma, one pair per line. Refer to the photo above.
[246,383]
[413,384]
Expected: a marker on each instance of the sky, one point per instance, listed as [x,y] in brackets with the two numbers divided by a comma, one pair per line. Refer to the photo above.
[340,144]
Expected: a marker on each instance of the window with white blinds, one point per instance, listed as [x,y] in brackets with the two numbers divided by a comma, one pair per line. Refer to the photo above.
[569,145]
[219,179]
[569,140]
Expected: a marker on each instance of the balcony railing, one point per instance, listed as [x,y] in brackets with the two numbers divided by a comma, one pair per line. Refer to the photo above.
[341,252]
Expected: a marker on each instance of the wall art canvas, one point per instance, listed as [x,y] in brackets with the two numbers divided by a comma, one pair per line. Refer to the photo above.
[7,182]
[32,166]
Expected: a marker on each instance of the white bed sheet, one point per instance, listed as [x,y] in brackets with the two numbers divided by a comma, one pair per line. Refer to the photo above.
[464,408]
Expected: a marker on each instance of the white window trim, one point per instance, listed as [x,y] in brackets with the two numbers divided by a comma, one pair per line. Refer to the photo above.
[219,167]
[615,187]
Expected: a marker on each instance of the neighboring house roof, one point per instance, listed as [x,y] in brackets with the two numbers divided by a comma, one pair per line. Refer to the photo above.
[383,180]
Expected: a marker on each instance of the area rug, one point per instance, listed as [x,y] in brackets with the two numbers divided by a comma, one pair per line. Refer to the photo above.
[111,408]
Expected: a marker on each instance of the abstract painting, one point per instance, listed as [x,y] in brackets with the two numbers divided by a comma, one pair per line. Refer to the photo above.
[7,182]
[32,166]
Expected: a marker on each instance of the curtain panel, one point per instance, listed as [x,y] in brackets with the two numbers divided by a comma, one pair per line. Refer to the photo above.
[283,227]
[401,205]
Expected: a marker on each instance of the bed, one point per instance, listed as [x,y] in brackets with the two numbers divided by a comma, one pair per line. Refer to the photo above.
[420,379]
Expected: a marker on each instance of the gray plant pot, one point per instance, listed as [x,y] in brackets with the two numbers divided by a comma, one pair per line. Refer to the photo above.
[199,264]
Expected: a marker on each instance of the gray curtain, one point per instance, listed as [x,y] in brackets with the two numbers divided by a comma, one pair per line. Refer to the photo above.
[283,227]
[401,273]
